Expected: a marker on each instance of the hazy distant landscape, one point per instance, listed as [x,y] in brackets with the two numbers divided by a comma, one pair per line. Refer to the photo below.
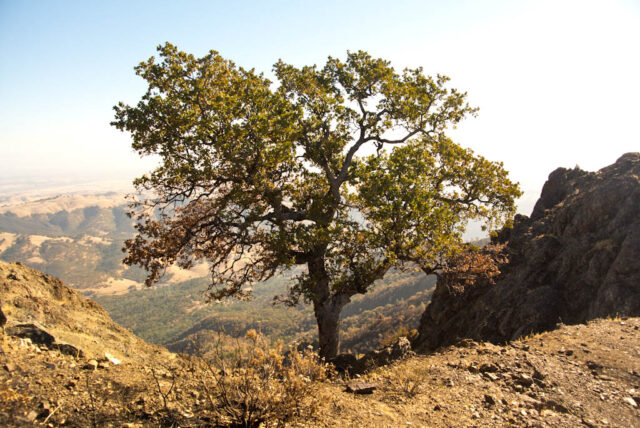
[77,235]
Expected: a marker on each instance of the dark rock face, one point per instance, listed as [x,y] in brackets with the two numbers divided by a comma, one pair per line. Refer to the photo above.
[576,258]
[31,331]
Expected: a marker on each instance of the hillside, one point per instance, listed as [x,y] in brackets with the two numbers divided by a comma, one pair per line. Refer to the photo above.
[75,236]
[582,375]
[31,297]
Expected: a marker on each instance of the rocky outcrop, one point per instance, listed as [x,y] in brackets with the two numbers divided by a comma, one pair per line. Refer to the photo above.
[576,258]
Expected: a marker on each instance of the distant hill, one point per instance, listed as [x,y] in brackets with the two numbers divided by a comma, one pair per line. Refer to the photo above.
[77,237]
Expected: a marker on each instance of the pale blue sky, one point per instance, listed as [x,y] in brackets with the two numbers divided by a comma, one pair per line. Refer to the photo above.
[556,81]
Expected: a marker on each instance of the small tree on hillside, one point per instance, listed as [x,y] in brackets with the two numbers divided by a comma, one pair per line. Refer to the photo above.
[344,169]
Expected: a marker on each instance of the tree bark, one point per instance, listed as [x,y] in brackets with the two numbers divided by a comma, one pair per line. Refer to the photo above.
[327,308]
[328,319]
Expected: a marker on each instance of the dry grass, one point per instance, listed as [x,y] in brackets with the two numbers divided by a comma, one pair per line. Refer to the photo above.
[260,384]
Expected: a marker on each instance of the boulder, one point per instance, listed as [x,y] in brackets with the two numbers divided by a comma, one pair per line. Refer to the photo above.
[575,259]
[35,333]
[39,336]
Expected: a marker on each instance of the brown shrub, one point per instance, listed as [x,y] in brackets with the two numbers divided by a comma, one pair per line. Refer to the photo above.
[261,384]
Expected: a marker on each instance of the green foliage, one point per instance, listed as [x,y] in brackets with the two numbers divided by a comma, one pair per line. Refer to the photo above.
[257,178]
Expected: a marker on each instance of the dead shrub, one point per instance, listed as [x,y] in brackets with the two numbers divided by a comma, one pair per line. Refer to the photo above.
[408,383]
[259,384]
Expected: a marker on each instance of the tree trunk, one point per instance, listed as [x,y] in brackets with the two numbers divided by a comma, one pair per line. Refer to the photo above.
[327,308]
[328,318]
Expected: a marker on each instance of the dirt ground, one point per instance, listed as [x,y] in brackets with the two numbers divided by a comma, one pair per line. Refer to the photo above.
[583,375]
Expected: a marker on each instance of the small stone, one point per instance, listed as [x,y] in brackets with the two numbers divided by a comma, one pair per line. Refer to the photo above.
[361,387]
[537,374]
[9,367]
[606,378]
[492,377]
[91,365]
[32,415]
[113,360]
[630,401]
[103,365]
[68,349]
[50,366]
[589,422]
[449,383]
[491,368]
[45,409]
[530,402]
[525,380]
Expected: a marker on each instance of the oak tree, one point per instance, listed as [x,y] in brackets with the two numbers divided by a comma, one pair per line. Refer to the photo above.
[344,170]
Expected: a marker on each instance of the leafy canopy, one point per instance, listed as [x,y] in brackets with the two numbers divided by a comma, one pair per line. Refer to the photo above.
[344,168]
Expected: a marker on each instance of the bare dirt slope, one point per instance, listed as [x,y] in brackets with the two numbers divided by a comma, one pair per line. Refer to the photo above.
[31,297]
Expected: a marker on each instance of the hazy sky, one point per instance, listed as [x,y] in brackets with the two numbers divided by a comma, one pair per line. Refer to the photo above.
[557,82]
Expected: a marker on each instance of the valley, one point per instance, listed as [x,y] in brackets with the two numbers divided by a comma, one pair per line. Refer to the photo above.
[79,236]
